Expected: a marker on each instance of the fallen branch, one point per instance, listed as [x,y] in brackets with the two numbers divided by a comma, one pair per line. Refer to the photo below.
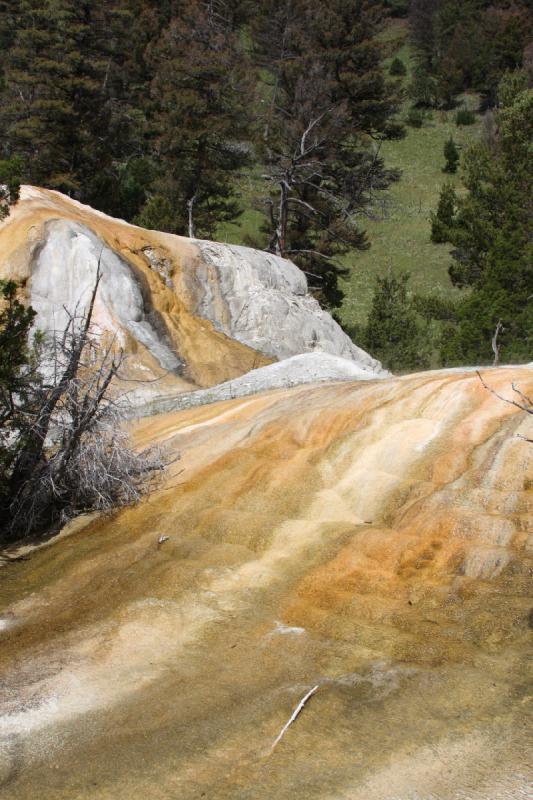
[526,406]
[294,714]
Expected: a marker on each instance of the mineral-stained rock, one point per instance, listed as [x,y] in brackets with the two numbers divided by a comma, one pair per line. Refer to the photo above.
[372,538]
[63,277]
[263,301]
[190,313]
[294,371]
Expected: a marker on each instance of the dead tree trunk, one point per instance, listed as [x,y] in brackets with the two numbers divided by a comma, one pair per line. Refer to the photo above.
[495,345]
[190,206]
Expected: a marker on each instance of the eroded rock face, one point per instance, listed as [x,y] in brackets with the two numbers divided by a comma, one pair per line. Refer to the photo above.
[372,539]
[63,277]
[189,313]
[263,301]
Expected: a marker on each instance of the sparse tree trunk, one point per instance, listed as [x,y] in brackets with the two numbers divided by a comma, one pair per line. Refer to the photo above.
[32,453]
[190,207]
[495,345]
[283,217]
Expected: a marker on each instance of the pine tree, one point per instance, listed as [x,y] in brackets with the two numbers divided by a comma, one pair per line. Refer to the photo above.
[491,235]
[443,220]
[10,175]
[393,333]
[467,44]
[328,97]
[201,96]
[63,109]
[15,324]
[451,154]
[422,15]
[397,68]
[37,114]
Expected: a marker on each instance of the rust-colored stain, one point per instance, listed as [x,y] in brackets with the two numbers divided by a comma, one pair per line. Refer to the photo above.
[375,539]
[209,355]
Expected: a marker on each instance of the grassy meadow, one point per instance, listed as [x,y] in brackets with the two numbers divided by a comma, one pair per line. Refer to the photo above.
[398,227]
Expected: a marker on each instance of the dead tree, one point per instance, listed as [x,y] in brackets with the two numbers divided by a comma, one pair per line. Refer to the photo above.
[73,453]
[524,403]
[495,345]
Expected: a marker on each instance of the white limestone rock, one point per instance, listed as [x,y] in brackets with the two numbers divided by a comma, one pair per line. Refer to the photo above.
[64,275]
[263,301]
[293,371]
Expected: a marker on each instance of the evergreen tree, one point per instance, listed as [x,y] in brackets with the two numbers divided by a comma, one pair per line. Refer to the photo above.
[37,113]
[422,15]
[15,368]
[442,221]
[466,44]
[451,154]
[10,173]
[329,96]
[201,95]
[397,68]
[393,333]
[423,88]
[491,234]
[63,109]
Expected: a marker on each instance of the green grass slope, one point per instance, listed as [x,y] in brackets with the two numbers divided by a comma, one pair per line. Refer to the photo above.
[398,227]
[399,230]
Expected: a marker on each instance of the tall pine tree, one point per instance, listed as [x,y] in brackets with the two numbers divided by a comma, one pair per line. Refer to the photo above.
[329,106]
[201,96]
[493,250]
[64,106]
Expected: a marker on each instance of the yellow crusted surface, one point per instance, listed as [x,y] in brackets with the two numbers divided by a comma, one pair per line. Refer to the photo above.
[210,356]
[375,539]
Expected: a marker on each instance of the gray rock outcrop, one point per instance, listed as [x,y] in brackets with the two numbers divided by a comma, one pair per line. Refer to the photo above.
[263,301]
[293,371]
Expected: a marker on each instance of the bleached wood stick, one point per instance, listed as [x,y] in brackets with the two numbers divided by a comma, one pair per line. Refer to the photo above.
[294,714]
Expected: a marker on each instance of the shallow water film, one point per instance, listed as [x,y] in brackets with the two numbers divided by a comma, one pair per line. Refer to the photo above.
[373,542]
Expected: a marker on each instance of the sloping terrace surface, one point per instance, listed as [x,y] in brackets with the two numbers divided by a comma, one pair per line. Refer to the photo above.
[374,539]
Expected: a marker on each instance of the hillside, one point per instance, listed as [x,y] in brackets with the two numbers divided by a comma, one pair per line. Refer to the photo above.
[398,225]
[266,474]
[369,539]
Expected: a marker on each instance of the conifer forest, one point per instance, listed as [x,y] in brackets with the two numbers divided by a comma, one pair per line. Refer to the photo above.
[278,123]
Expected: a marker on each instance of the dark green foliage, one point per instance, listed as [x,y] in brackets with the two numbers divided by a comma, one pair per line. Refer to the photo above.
[511,85]
[394,332]
[10,174]
[491,235]
[397,8]
[64,106]
[397,68]
[328,100]
[15,369]
[465,117]
[467,44]
[415,117]
[201,93]
[422,89]
[451,154]
[434,307]
[443,219]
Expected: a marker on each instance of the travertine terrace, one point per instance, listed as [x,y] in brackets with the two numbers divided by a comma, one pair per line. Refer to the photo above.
[188,313]
[372,538]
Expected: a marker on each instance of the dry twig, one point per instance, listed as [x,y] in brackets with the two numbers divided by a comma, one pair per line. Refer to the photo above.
[293,716]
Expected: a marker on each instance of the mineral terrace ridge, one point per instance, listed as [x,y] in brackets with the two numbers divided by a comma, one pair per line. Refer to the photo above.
[371,537]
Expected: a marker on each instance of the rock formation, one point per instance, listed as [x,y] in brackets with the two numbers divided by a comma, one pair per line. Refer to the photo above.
[198,313]
[363,546]
[372,539]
